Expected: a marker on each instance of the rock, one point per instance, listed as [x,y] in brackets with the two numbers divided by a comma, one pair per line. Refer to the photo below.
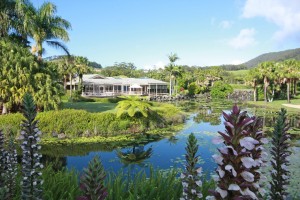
[61,136]
[54,134]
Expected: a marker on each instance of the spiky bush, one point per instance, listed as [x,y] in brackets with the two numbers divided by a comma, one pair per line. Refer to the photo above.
[240,159]
[92,181]
[31,166]
[191,182]
[280,153]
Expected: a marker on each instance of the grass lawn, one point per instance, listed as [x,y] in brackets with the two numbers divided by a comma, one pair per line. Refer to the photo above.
[90,106]
[277,104]
[239,73]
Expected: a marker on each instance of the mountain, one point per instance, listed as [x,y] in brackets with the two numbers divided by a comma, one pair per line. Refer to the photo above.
[274,56]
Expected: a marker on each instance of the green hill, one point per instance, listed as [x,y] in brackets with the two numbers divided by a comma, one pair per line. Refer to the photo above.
[274,56]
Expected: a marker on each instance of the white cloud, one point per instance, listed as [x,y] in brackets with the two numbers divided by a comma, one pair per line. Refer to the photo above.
[225,24]
[244,39]
[285,14]
[236,62]
[157,65]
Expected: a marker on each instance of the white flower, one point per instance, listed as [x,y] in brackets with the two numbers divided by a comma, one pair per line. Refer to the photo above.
[283,166]
[182,176]
[210,198]
[199,170]
[248,142]
[25,178]
[221,172]
[199,195]
[193,191]
[234,187]
[285,177]
[34,183]
[247,176]
[231,169]
[224,150]
[184,184]
[274,171]
[264,140]
[199,183]
[248,162]
[262,191]
[218,159]
[223,193]
[256,185]
[215,178]
[217,140]
[249,192]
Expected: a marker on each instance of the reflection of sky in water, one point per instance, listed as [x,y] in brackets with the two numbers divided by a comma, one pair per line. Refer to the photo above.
[166,154]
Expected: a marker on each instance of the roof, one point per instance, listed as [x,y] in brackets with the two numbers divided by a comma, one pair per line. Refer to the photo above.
[135,86]
[98,79]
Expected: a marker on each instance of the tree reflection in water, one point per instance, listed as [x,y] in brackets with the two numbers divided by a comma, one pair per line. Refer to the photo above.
[209,115]
[135,156]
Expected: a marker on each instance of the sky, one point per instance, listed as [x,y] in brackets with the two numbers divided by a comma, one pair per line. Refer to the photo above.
[200,32]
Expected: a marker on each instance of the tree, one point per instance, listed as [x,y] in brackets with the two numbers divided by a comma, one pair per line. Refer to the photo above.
[288,72]
[252,79]
[266,72]
[46,26]
[171,69]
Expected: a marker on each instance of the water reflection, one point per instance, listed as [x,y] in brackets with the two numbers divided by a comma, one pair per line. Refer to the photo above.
[136,155]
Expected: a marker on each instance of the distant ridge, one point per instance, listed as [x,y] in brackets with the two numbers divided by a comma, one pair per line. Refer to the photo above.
[274,56]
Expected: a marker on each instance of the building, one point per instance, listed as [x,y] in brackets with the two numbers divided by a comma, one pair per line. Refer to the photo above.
[97,85]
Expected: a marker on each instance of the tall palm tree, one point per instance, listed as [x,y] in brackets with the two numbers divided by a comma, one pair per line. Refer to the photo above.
[45,26]
[170,69]
[82,66]
[288,73]
[266,72]
[252,79]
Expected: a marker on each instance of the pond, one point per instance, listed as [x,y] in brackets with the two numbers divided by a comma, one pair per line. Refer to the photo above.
[205,121]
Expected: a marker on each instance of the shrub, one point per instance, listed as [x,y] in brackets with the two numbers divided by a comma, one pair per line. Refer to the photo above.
[193,89]
[220,90]
[280,153]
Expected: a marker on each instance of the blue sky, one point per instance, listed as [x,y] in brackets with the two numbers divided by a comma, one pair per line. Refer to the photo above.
[201,32]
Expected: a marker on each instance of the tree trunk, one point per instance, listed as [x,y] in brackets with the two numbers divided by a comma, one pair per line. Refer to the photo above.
[295,87]
[254,93]
[265,89]
[65,83]
[288,90]
[70,85]
[4,109]
[170,84]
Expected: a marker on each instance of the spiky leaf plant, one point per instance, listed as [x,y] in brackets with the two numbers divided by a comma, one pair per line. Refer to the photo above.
[11,170]
[31,166]
[191,177]
[92,181]
[239,161]
[3,188]
[280,153]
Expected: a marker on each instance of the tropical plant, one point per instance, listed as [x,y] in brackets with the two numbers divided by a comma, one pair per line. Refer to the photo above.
[132,106]
[265,71]
[92,180]
[137,155]
[46,26]
[280,153]
[31,165]
[220,90]
[191,177]
[238,175]
[252,79]
[171,69]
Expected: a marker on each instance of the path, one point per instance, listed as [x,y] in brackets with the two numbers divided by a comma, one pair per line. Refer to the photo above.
[292,106]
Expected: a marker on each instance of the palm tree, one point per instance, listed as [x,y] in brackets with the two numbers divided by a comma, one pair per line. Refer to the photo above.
[170,69]
[288,73]
[46,26]
[82,66]
[266,72]
[252,79]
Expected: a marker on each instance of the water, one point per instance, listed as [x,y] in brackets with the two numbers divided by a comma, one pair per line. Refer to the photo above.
[167,153]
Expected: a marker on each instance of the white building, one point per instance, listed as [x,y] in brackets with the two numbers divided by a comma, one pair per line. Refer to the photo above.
[97,85]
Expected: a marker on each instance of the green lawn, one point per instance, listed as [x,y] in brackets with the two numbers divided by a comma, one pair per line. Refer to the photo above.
[277,104]
[89,106]
[239,73]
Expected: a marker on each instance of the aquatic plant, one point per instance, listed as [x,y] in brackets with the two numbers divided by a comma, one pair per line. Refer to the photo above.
[241,157]
[191,177]
[280,153]
[31,166]
[91,182]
